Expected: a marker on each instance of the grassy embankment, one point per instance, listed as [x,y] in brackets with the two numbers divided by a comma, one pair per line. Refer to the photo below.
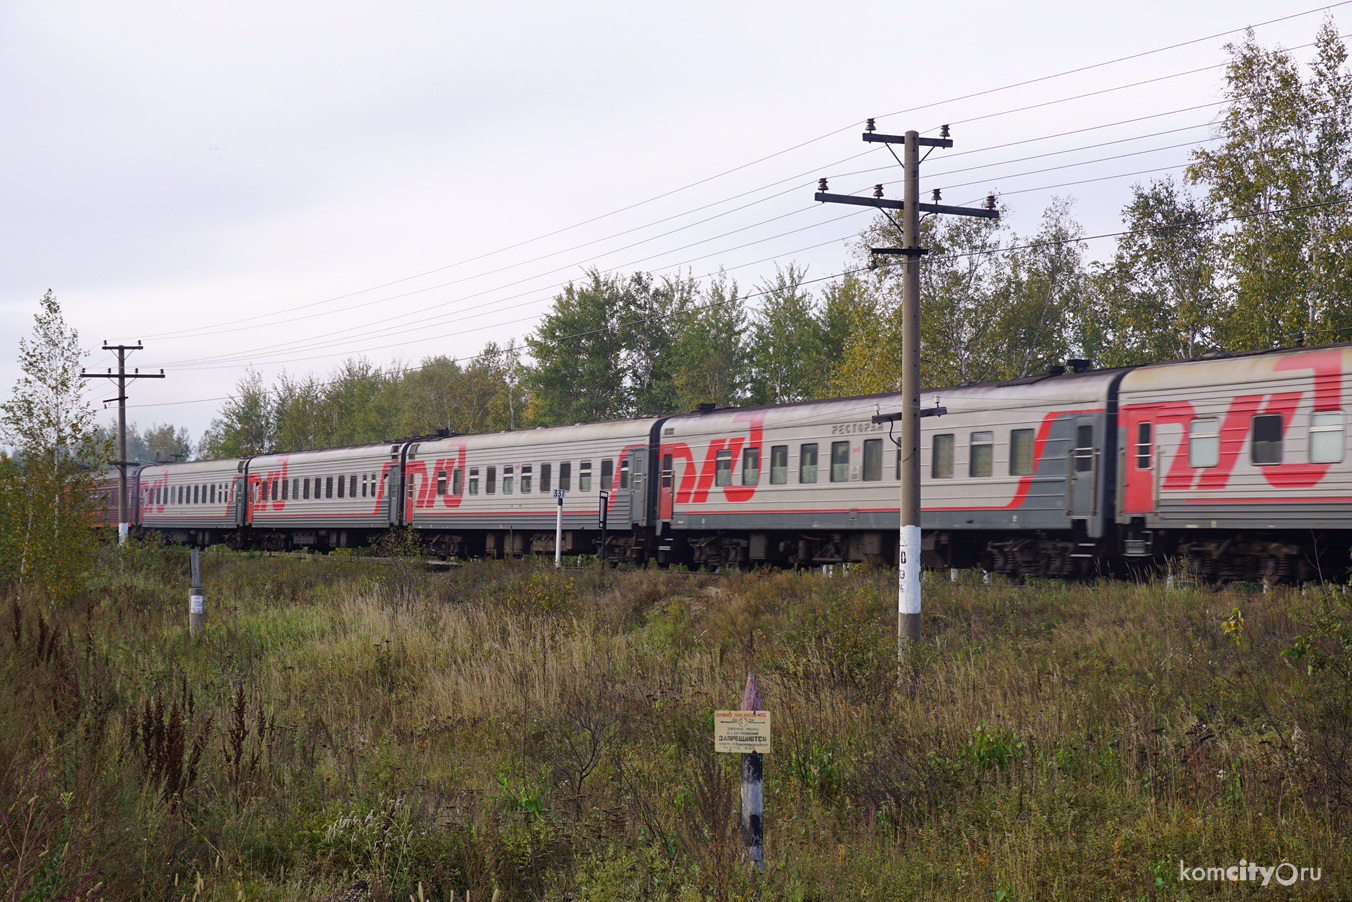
[355,730]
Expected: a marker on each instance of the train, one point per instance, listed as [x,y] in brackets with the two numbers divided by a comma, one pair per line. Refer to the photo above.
[1235,466]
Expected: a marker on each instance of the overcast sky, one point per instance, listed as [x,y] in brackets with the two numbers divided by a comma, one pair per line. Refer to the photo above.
[285,185]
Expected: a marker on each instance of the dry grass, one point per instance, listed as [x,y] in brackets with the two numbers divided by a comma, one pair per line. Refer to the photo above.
[352,730]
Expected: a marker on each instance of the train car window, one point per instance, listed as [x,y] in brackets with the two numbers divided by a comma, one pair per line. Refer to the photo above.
[566,475]
[441,483]
[194,495]
[363,485]
[305,487]
[342,484]
[873,460]
[1144,446]
[1021,452]
[981,462]
[751,466]
[491,481]
[584,476]
[285,485]
[1266,447]
[941,456]
[1204,443]
[507,480]
[607,473]
[840,461]
[544,476]
[779,464]
[1327,439]
[328,487]
[458,482]
[807,464]
[723,468]
[352,485]
[212,493]
[1084,448]
[474,480]
[624,473]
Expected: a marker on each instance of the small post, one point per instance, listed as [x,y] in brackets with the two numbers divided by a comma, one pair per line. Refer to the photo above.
[558,529]
[602,517]
[197,603]
[753,786]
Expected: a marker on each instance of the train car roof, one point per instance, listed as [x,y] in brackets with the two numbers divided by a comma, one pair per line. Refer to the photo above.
[373,451]
[193,467]
[544,435]
[1228,369]
[1070,388]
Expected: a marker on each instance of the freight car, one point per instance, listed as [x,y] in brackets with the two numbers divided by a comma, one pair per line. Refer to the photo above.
[1237,464]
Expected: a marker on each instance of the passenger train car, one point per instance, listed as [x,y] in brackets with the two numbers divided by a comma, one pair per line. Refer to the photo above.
[1238,464]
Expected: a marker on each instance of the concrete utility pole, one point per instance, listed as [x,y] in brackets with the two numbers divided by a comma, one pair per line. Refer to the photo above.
[908,552]
[121,463]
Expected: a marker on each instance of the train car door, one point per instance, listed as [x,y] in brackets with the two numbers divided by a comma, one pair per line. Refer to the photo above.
[241,496]
[667,490]
[393,494]
[1082,480]
[1141,481]
[638,486]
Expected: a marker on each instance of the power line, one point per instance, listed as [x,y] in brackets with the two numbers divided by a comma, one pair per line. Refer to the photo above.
[861,270]
[1079,70]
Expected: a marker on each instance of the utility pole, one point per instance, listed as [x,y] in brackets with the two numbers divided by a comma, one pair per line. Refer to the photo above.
[908,551]
[121,463]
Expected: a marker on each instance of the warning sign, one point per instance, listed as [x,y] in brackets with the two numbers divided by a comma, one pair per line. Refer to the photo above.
[742,731]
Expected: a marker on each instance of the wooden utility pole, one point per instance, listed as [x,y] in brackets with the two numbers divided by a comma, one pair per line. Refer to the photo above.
[909,549]
[121,463]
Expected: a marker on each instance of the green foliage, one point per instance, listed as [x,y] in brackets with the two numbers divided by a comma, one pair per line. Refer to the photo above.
[994,305]
[247,425]
[1160,297]
[709,350]
[46,500]
[787,343]
[158,443]
[1282,172]
[578,349]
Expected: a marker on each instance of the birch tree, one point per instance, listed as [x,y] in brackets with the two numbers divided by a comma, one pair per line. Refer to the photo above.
[47,485]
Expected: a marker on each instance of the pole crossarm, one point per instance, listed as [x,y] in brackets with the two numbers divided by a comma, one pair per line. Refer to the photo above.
[885,203]
[875,138]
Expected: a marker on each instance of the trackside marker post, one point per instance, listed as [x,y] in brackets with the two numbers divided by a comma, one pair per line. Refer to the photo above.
[197,603]
[602,519]
[558,528]
[748,732]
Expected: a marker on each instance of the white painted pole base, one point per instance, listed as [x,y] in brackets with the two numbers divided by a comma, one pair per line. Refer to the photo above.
[908,578]
[197,602]
[197,613]
[122,530]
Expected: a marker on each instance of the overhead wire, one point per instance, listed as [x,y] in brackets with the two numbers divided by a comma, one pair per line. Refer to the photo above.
[1077,239]
[847,128]
[780,153]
